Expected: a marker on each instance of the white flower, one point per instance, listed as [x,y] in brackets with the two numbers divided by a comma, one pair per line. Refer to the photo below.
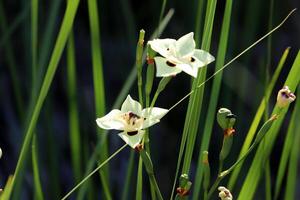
[224,193]
[131,119]
[285,97]
[179,55]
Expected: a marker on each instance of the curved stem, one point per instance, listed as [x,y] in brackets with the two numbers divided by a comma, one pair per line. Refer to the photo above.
[94,171]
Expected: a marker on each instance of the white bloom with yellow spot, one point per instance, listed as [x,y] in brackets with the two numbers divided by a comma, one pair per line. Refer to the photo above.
[179,55]
[132,120]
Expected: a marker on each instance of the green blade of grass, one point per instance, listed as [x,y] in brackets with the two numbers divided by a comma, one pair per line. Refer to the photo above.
[124,91]
[263,152]
[38,192]
[34,42]
[257,118]
[294,155]
[5,195]
[196,98]
[74,128]
[268,181]
[288,145]
[213,97]
[195,101]
[99,89]
[59,46]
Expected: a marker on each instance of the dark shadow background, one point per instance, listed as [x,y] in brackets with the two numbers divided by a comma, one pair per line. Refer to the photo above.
[120,20]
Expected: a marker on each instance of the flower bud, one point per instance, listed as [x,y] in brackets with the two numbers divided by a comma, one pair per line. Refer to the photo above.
[224,193]
[0,152]
[285,97]
[225,118]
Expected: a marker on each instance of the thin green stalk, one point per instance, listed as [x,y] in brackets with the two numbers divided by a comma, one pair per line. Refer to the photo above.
[268,189]
[139,181]
[214,96]
[94,171]
[73,109]
[59,46]
[36,177]
[162,11]
[139,64]
[122,95]
[254,173]
[34,42]
[199,19]
[99,89]
[128,176]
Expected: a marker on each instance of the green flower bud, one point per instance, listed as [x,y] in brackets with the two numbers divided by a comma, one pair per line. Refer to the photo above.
[225,118]
[183,180]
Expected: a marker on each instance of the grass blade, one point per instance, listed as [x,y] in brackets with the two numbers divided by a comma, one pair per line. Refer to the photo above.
[36,177]
[214,96]
[73,109]
[59,46]
[99,90]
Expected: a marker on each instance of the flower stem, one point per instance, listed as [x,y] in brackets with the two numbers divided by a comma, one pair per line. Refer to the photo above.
[139,61]
[94,171]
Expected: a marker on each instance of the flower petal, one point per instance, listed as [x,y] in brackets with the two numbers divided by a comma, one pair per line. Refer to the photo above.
[130,105]
[203,56]
[133,140]
[111,121]
[153,116]
[189,69]
[185,45]
[163,69]
[163,46]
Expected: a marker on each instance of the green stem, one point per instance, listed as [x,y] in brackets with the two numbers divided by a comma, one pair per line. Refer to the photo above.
[128,175]
[139,62]
[94,171]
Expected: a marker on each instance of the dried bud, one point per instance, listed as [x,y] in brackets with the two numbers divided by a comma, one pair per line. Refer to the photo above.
[224,193]
[285,97]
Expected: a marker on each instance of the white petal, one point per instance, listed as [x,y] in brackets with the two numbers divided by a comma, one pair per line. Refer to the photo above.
[203,56]
[133,140]
[189,69]
[131,105]
[153,116]
[163,46]
[111,121]
[163,70]
[186,45]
